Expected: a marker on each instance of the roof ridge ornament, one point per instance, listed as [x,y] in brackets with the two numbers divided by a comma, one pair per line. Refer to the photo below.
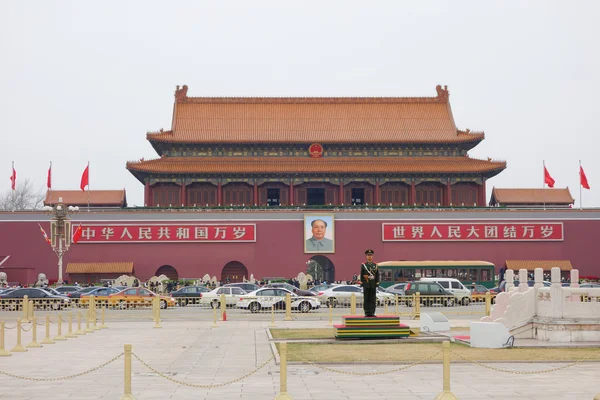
[181,93]
[442,94]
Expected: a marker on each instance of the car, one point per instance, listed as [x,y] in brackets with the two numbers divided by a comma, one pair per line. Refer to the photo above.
[82,291]
[53,291]
[292,289]
[39,296]
[431,293]
[213,298]
[266,298]
[67,289]
[589,285]
[342,294]
[478,292]
[383,297]
[398,289]
[98,291]
[454,286]
[245,286]
[316,289]
[138,296]
[189,294]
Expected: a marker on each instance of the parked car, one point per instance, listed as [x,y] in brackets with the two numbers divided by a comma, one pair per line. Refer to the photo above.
[82,291]
[454,286]
[478,292]
[341,295]
[245,286]
[316,289]
[189,294]
[213,298]
[431,293]
[398,289]
[292,289]
[266,298]
[67,289]
[38,295]
[138,296]
[98,291]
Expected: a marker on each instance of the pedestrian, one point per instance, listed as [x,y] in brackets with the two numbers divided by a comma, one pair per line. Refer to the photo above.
[369,273]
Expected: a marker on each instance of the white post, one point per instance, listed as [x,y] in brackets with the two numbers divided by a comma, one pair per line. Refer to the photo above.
[523,285]
[538,276]
[556,293]
[509,276]
[574,278]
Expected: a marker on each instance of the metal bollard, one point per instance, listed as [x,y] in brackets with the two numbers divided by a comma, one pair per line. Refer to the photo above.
[34,342]
[79,331]
[59,336]
[70,333]
[330,315]
[127,395]
[385,307]
[417,305]
[353,304]
[272,316]
[47,339]
[157,312]
[24,306]
[223,308]
[95,314]
[30,310]
[488,304]
[397,305]
[283,394]
[3,352]
[18,347]
[103,325]
[446,393]
[88,329]
[288,307]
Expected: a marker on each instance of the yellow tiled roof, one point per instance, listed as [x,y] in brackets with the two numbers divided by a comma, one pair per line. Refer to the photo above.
[546,265]
[100,268]
[116,198]
[532,196]
[212,165]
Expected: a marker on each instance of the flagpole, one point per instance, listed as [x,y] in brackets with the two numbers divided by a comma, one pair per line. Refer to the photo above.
[50,179]
[544,183]
[88,186]
[580,191]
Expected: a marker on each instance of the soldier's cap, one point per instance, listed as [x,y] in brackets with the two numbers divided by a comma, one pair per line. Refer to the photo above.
[369,252]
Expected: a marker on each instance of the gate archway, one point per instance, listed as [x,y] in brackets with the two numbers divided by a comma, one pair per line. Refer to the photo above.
[325,271]
[168,271]
[235,271]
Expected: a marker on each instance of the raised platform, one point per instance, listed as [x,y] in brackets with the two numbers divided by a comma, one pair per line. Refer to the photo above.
[380,327]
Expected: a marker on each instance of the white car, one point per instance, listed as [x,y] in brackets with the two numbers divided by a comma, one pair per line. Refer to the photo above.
[341,295]
[213,298]
[268,297]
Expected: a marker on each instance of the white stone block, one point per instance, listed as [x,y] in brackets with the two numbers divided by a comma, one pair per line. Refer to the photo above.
[489,335]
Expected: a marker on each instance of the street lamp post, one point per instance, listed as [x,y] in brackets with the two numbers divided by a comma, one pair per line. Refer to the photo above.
[60,231]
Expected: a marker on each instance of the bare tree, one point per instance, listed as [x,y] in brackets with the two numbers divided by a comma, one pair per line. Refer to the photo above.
[25,197]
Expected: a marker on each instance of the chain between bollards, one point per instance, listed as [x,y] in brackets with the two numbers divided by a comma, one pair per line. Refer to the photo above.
[127,395]
[283,394]
[3,352]
[446,393]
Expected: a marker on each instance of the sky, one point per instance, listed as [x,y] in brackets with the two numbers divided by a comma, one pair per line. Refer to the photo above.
[84,81]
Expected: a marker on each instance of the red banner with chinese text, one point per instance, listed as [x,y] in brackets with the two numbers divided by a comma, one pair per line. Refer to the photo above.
[180,233]
[476,232]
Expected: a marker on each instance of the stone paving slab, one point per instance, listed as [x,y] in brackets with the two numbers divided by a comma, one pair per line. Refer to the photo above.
[193,352]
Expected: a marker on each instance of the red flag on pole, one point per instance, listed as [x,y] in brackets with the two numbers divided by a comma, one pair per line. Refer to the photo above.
[547,178]
[49,179]
[45,236]
[583,179]
[13,178]
[77,234]
[85,178]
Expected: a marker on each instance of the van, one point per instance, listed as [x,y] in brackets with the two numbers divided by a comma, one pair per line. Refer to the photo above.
[454,286]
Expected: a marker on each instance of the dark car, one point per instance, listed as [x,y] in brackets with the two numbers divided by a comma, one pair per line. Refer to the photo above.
[68,289]
[36,294]
[292,289]
[189,294]
[246,287]
[430,292]
[77,294]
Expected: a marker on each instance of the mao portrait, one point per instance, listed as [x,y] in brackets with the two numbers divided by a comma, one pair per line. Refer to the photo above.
[319,233]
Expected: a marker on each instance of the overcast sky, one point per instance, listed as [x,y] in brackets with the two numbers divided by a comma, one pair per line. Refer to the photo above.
[85,81]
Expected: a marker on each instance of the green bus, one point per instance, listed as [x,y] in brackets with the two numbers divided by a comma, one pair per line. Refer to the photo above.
[479,272]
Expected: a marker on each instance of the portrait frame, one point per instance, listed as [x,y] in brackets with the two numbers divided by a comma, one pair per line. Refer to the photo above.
[328,241]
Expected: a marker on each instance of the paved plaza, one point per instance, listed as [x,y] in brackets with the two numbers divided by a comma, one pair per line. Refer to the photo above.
[195,353]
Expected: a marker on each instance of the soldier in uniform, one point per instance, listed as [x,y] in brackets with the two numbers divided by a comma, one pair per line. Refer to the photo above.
[369,279]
